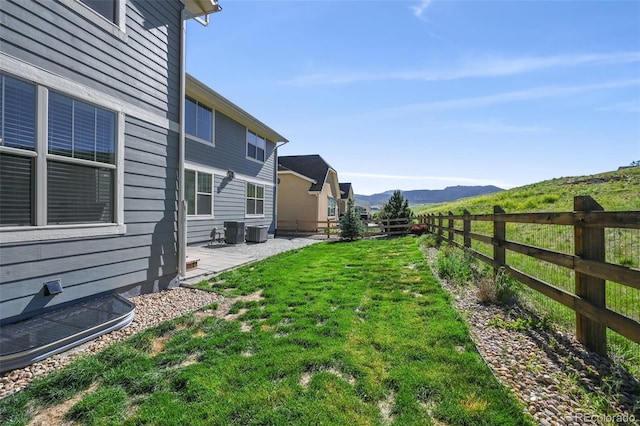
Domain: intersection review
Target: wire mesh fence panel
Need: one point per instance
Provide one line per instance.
(623, 247)
(558, 238)
(550, 273)
(624, 350)
(565, 251)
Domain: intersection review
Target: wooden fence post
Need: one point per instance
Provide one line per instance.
(590, 244)
(467, 229)
(451, 225)
(328, 228)
(440, 227)
(499, 235)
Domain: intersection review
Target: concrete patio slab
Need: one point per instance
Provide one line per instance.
(217, 258)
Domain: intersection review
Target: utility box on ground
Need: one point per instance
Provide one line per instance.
(234, 232)
(257, 234)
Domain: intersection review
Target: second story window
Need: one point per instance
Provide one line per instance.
(198, 120)
(106, 8)
(256, 146)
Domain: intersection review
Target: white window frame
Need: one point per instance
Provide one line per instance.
(195, 138)
(331, 205)
(246, 198)
(117, 29)
(195, 202)
(247, 147)
(41, 230)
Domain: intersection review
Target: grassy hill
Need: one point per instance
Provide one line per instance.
(617, 190)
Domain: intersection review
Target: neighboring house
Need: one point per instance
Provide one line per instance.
(346, 194)
(308, 193)
(231, 160)
(91, 156)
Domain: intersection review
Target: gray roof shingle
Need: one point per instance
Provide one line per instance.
(312, 166)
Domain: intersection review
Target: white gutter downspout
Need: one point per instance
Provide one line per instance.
(182, 203)
(275, 191)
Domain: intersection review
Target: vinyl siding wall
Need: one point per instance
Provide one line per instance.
(229, 196)
(141, 70)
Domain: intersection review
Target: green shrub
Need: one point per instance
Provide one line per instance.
(454, 264)
(500, 289)
(351, 227)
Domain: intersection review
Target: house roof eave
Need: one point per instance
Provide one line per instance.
(196, 8)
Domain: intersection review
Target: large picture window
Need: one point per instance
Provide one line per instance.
(255, 199)
(256, 146)
(199, 193)
(198, 120)
(66, 175)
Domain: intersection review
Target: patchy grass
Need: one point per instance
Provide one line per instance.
(344, 333)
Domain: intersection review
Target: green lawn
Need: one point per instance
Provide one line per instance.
(345, 333)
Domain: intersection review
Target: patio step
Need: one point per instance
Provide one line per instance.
(192, 264)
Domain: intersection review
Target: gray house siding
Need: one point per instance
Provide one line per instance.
(142, 71)
(229, 205)
(229, 196)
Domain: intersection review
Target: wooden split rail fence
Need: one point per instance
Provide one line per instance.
(589, 221)
(386, 227)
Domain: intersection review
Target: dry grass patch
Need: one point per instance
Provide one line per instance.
(55, 415)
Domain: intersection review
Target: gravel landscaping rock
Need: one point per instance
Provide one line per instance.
(151, 310)
(552, 374)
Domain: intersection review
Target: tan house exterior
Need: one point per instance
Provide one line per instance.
(308, 193)
(346, 194)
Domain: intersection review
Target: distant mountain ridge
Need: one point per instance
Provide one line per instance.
(429, 196)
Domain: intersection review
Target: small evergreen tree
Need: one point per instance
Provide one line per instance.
(397, 207)
(351, 227)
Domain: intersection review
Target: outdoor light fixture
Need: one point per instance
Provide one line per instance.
(230, 174)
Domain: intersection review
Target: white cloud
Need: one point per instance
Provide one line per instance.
(519, 95)
(420, 9)
(476, 67)
(498, 127)
(631, 106)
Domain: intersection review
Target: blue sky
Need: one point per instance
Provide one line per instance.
(427, 94)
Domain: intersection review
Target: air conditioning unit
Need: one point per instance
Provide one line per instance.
(257, 234)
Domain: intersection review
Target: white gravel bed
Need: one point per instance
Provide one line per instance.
(151, 309)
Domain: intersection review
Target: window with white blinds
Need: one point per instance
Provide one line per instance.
(70, 169)
(18, 133)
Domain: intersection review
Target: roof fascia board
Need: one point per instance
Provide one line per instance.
(200, 91)
(197, 8)
(291, 172)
